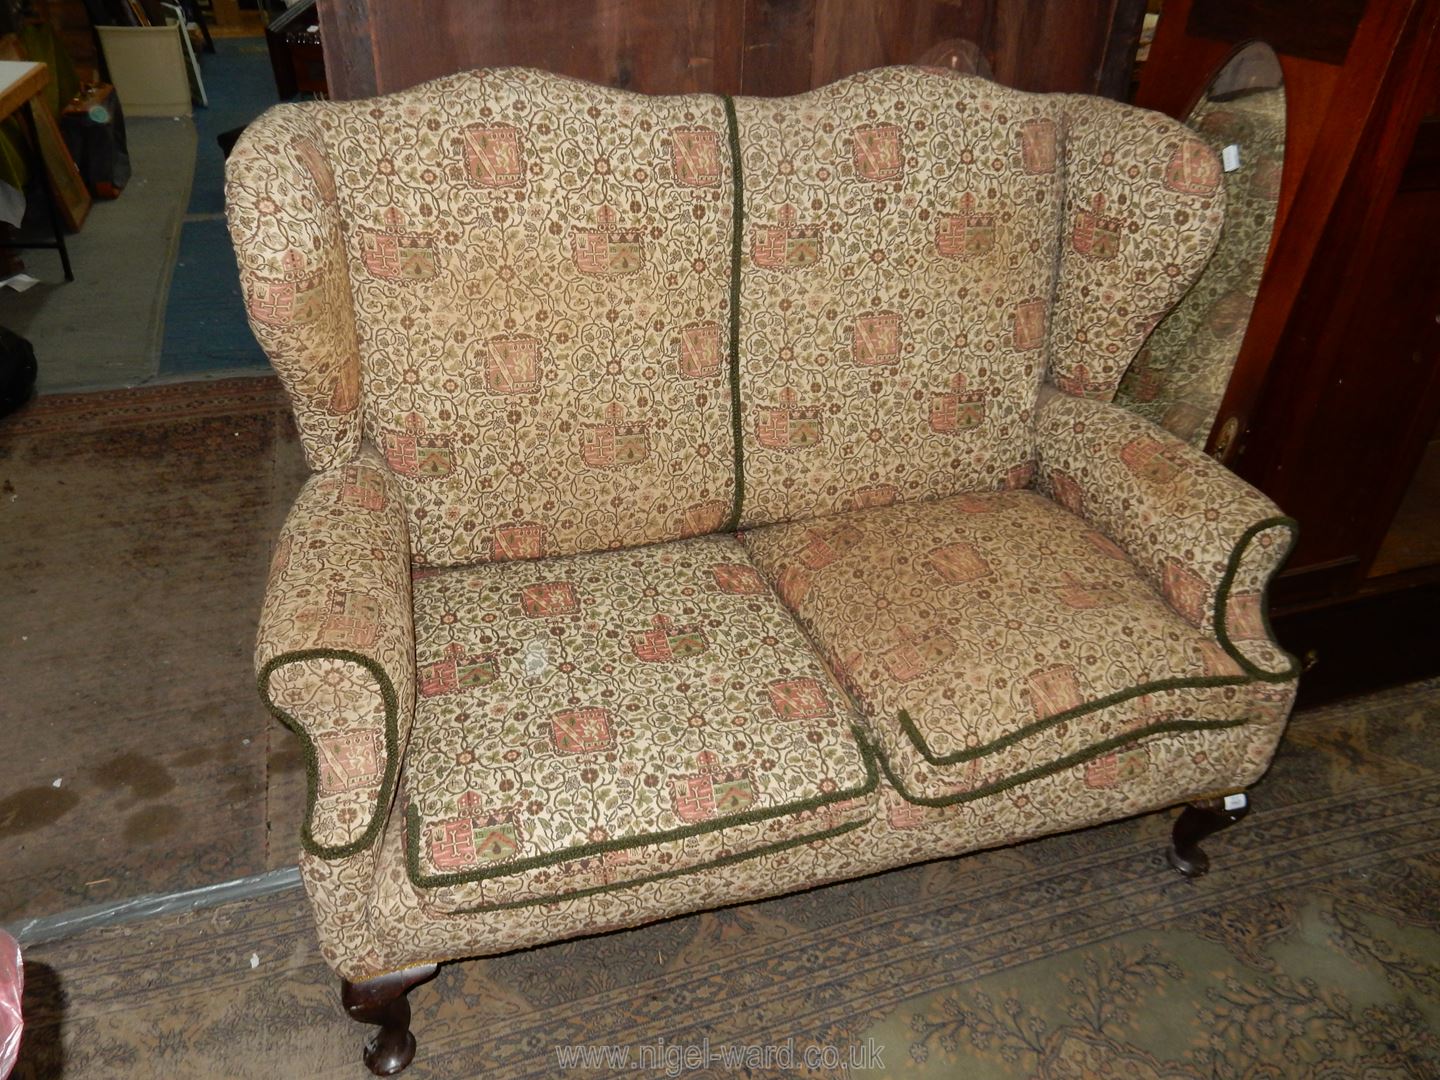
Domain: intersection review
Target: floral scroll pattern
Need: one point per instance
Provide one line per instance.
(336, 648)
(978, 632)
(574, 713)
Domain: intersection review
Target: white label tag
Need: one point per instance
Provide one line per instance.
(1230, 157)
(1236, 802)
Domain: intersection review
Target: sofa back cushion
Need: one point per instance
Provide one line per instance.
(899, 298)
(540, 271)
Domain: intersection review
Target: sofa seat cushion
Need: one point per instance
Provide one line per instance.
(991, 639)
(596, 720)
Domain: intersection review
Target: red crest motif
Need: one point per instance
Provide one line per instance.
(512, 364)
(1096, 235)
(286, 303)
(1244, 617)
(1037, 146)
(916, 656)
(700, 518)
(400, 257)
(967, 233)
(711, 792)
(363, 487)
(787, 245)
(1068, 492)
(799, 699)
(411, 452)
(492, 155)
(959, 563)
(664, 642)
(788, 425)
(318, 166)
(875, 339)
(738, 579)
(1193, 169)
(472, 838)
(518, 540)
(1030, 324)
(959, 410)
(878, 152)
(695, 156)
(349, 761)
(581, 731)
(351, 620)
(1054, 690)
(608, 250)
(825, 544)
(614, 443)
(699, 349)
(1186, 590)
(1150, 459)
(547, 599)
(1116, 768)
(458, 672)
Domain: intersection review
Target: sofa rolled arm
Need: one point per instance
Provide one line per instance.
(335, 657)
(1206, 539)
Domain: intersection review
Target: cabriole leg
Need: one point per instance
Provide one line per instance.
(1197, 821)
(382, 1001)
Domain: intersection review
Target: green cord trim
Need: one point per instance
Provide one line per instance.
(312, 759)
(1059, 764)
(1254, 673)
(737, 227)
(714, 864)
(624, 843)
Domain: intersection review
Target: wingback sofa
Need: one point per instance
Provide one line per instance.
(716, 497)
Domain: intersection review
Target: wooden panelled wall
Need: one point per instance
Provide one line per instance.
(762, 47)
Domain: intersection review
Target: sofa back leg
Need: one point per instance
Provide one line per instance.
(1200, 819)
(382, 1001)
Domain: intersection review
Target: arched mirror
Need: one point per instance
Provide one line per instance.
(1179, 377)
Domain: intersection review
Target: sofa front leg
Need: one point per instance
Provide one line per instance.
(1200, 819)
(382, 1001)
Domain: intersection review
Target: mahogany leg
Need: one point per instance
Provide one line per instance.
(1197, 821)
(382, 1001)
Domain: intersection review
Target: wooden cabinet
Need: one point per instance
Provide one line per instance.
(1336, 395)
(764, 47)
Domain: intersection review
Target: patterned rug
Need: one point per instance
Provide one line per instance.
(1311, 950)
(136, 756)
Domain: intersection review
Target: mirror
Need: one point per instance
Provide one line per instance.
(1179, 377)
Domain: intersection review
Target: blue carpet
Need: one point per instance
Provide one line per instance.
(205, 327)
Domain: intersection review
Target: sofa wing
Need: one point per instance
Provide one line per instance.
(1209, 541)
(285, 221)
(336, 652)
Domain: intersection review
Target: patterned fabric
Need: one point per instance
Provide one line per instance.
(1205, 538)
(989, 638)
(1179, 377)
(540, 276)
(1144, 205)
(336, 648)
(285, 221)
(604, 718)
(399, 929)
(897, 266)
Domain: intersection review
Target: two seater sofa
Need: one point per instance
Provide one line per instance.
(716, 497)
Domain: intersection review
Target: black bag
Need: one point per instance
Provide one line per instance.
(17, 371)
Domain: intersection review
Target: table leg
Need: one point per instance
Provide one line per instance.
(38, 166)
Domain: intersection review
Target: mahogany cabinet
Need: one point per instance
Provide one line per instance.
(1335, 400)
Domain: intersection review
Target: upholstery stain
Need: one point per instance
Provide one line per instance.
(34, 808)
(151, 823)
(146, 778)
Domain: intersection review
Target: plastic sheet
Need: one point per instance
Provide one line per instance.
(12, 984)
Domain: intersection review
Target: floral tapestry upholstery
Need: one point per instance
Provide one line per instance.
(1144, 207)
(895, 273)
(285, 221)
(372, 919)
(594, 720)
(1179, 377)
(539, 271)
(336, 648)
(1206, 539)
(990, 639)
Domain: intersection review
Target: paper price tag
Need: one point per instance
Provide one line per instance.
(1230, 157)
(1236, 802)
